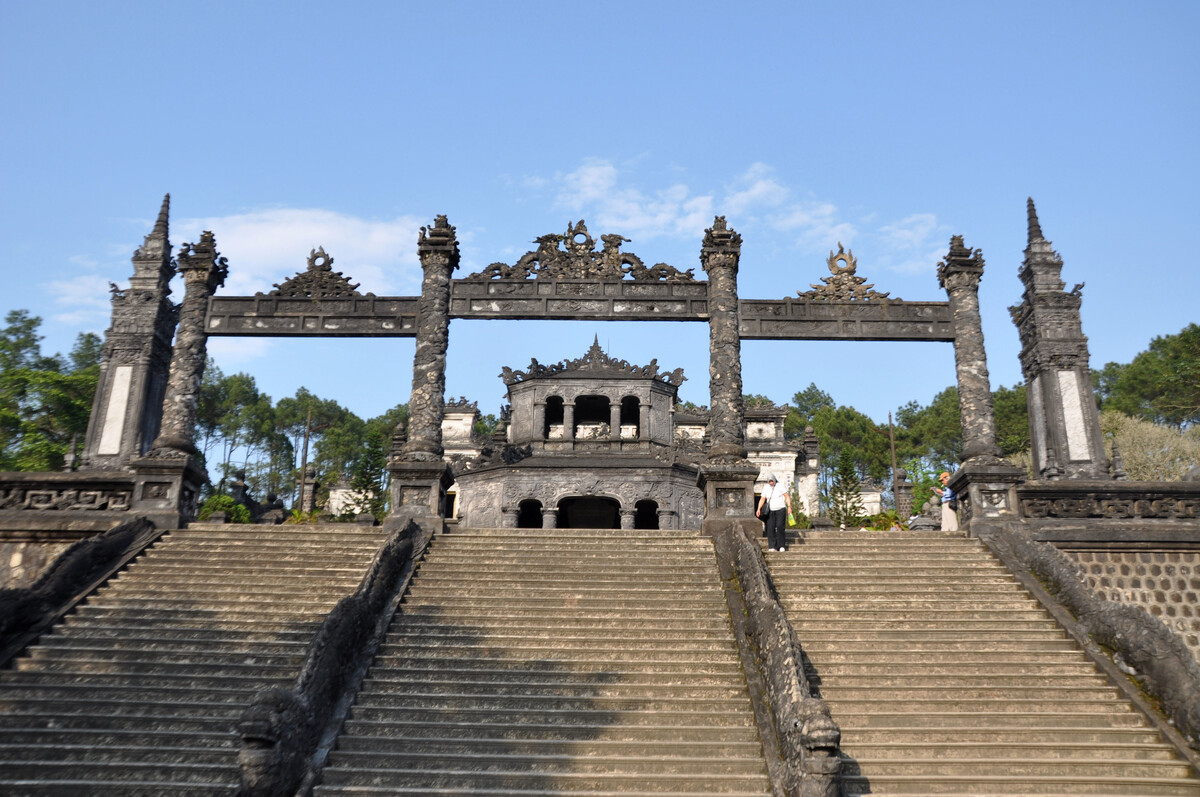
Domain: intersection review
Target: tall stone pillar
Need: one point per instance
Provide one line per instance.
(127, 409)
(419, 475)
(169, 477)
(1064, 423)
(727, 477)
(438, 250)
(203, 270)
(985, 483)
(719, 256)
(960, 274)
(644, 421)
(614, 420)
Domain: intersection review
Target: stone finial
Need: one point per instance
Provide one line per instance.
(203, 256)
(960, 260)
(720, 238)
(157, 247)
(439, 238)
(1035, 228)
(1118, 464)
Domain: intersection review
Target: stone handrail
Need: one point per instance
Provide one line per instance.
(282, 729)
(27, 612)
(1158, 658)
(807, 735)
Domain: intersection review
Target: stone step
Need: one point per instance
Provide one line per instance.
(150, 750)
(402, 662)
(517, 781)
(559, 715)
(549, 690)
(990, 786)
(867, 678)
(556, 653)
(1037, 693)
(118, 771)
(999, 750)
(513, 678)
(716, 749)
(543, 762)
(488, 730)
(89, 737)
(575, 623)
(908, 717)
(1047, 737)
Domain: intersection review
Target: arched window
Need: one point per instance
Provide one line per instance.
(631, 416)
(554, 418)
(592, 418)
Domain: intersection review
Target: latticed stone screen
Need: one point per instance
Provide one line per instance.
(1165, 583)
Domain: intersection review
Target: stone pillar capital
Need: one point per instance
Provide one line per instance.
(202, 265)
(437, 246)
(961, 268)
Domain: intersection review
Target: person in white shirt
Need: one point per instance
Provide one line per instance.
(775, 498)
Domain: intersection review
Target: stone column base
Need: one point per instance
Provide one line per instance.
(728, 497)
(987, 493)
(166, 489)
(418, 493)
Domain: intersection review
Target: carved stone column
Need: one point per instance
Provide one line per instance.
(549, 518)
(667, 519)
(727, 478)
(1064, 423)
(644, 421)
(568, 419)
(438, 250)
(719, 256)
(904, 495)
(539, 421)
(203, 270)
(627, 518)
(960, 274)
(509, 517)
(614, 421)
(127, 408)
(985, 484)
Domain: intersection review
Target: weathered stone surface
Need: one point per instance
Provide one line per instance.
(438, 250)
(137, 353)
(719, 256)
(203, 270)
(959, 274)
(1063, 419)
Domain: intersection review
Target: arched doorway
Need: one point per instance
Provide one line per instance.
(645, 515)
(529, 514)
(589, 512)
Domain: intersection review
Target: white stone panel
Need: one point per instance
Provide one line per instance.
(1078, 446)
(114, 414)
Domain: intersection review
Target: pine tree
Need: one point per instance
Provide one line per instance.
(845, 502)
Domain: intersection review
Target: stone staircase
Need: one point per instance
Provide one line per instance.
(139, 690)
(549, 661)
(948, 678)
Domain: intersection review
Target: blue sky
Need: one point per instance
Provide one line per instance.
(886, 126)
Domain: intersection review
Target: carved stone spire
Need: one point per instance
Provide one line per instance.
(1035, 229)
(1064, 423)
(137, 352)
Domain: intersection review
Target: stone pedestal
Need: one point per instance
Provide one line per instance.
(987, 493)
(728, 497)
(418, 492)
(166, 490)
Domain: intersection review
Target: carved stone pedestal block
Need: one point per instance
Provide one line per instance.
(418, 492)
(728, 497)
(166, 489)
(987, 493)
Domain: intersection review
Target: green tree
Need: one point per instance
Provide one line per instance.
(368, 478)
(44, 401)
(804, 406)
(1162, 384)
(843, 499)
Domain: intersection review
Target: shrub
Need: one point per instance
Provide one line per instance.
(236, 513)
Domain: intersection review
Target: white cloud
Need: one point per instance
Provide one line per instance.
(85, 300)
(912, 245)
(816, 223)
(266, 247)
(759, 188)
(592, 190)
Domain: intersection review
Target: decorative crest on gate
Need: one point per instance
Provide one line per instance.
(573, 255)
(844, 285)
(320, 281)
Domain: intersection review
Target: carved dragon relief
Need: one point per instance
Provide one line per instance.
(320, 281)
(844, 285)
(573, 255)
(595, 360)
